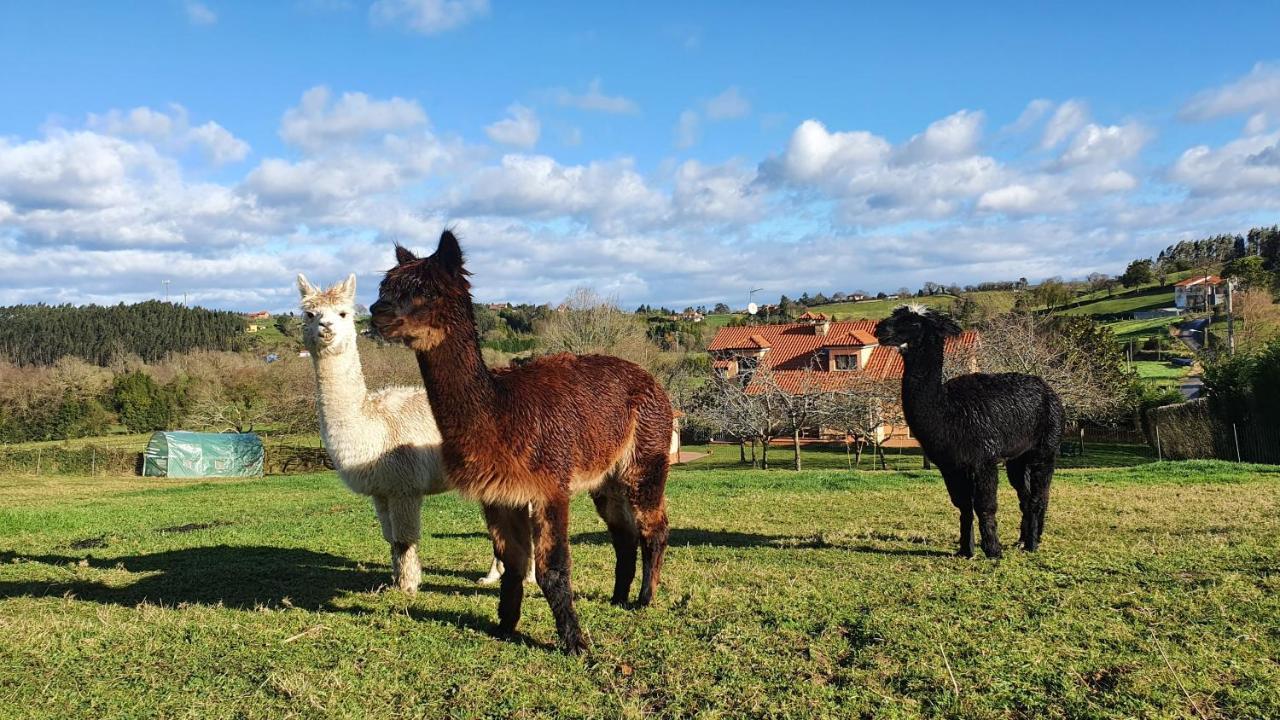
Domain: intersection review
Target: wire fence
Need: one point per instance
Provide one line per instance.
(1191, 430)
(289, 458)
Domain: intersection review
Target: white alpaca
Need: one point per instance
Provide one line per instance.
(384, 444)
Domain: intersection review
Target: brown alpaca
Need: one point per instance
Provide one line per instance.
(535, 435)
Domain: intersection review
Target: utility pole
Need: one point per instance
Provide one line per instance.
(1231, 320)
(166, 290)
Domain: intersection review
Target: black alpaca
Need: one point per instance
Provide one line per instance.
(969, 424)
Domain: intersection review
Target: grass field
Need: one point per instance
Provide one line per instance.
(1161, 373)
(1159, 297)
(819, 594)
(1136, 330)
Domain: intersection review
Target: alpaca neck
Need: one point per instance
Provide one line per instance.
(922, 393)
(458, 382)
(340, 394)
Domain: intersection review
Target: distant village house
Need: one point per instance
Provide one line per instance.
(819, 352)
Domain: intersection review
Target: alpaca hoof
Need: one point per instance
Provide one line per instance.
(994, 553)
(575, 645)
(489, 579)
(964, 553)
(618, 601)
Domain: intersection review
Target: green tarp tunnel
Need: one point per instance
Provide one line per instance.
(194, 454)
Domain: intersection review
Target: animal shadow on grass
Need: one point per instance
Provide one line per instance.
(242, 577)
(680, 537)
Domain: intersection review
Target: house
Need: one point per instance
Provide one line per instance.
(260, 315)
(1200, 292)
(817, 351)
(691, 316)
(498, 306)
(252, 328)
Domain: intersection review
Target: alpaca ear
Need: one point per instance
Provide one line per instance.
(305, 288)
(403, 255)
(348, 288)
(449, 252)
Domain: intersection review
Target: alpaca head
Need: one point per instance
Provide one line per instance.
(909, 324)
(328, 316)
(423, 300)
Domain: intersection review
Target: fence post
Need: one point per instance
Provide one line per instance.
(1236, 434)
(1159, 449)
(93, 464)
(39, 452)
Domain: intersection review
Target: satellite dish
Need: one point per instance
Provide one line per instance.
(751, 308)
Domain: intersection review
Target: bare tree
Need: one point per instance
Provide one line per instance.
(1073, 355)
(588, 323)
(866, 411)
(740, 408)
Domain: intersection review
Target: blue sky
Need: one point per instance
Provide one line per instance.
(661, 153)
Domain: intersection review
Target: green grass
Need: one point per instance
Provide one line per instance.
(1126, 330)
(865, 310)
(1161, 373)
(817, 594)
(1159, 297)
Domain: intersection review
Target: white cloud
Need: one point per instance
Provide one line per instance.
(1095, 144)
(1012, 198)
(171, 131)
(316, 123)
(199, 14)
(1259, 91)
(1032, 114)
(572, 137)
(520, 129)
(609, 194)
(728, 105)
(724, 193)
(688, 127)
(954, 136)
(1248, 165)
(595, 100)
(1069, 117)
(813, 153)
(428, 17)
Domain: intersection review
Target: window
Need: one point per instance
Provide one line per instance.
(846, 362)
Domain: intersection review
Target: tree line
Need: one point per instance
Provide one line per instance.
(42, 334)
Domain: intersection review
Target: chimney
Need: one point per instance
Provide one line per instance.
(822, 327)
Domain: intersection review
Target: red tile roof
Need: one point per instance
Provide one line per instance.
(1208, 279)
(792, 347)
(852, 338)
(810, 315)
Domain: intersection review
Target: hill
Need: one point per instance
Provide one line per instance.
(41, 334)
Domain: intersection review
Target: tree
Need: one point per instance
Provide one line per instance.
(1077, 357)
(733, 408)
(1139, 272)
(588, 323)
(866, 411)
(1250, 273)
(721, 309)
(141, 404)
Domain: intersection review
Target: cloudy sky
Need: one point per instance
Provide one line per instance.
(661, 153)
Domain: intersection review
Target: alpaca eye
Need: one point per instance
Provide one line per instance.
(342, 315)
(310, 315)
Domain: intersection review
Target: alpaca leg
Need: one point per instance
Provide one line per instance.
(509, 529)
(405, 514)
(531, 577)
(1019, 478)
(651, 520)
(551, 550)
(381, 506)
(1041, 472)
(985, 483)
(615, 510)
(960, 489)
(495, 569)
